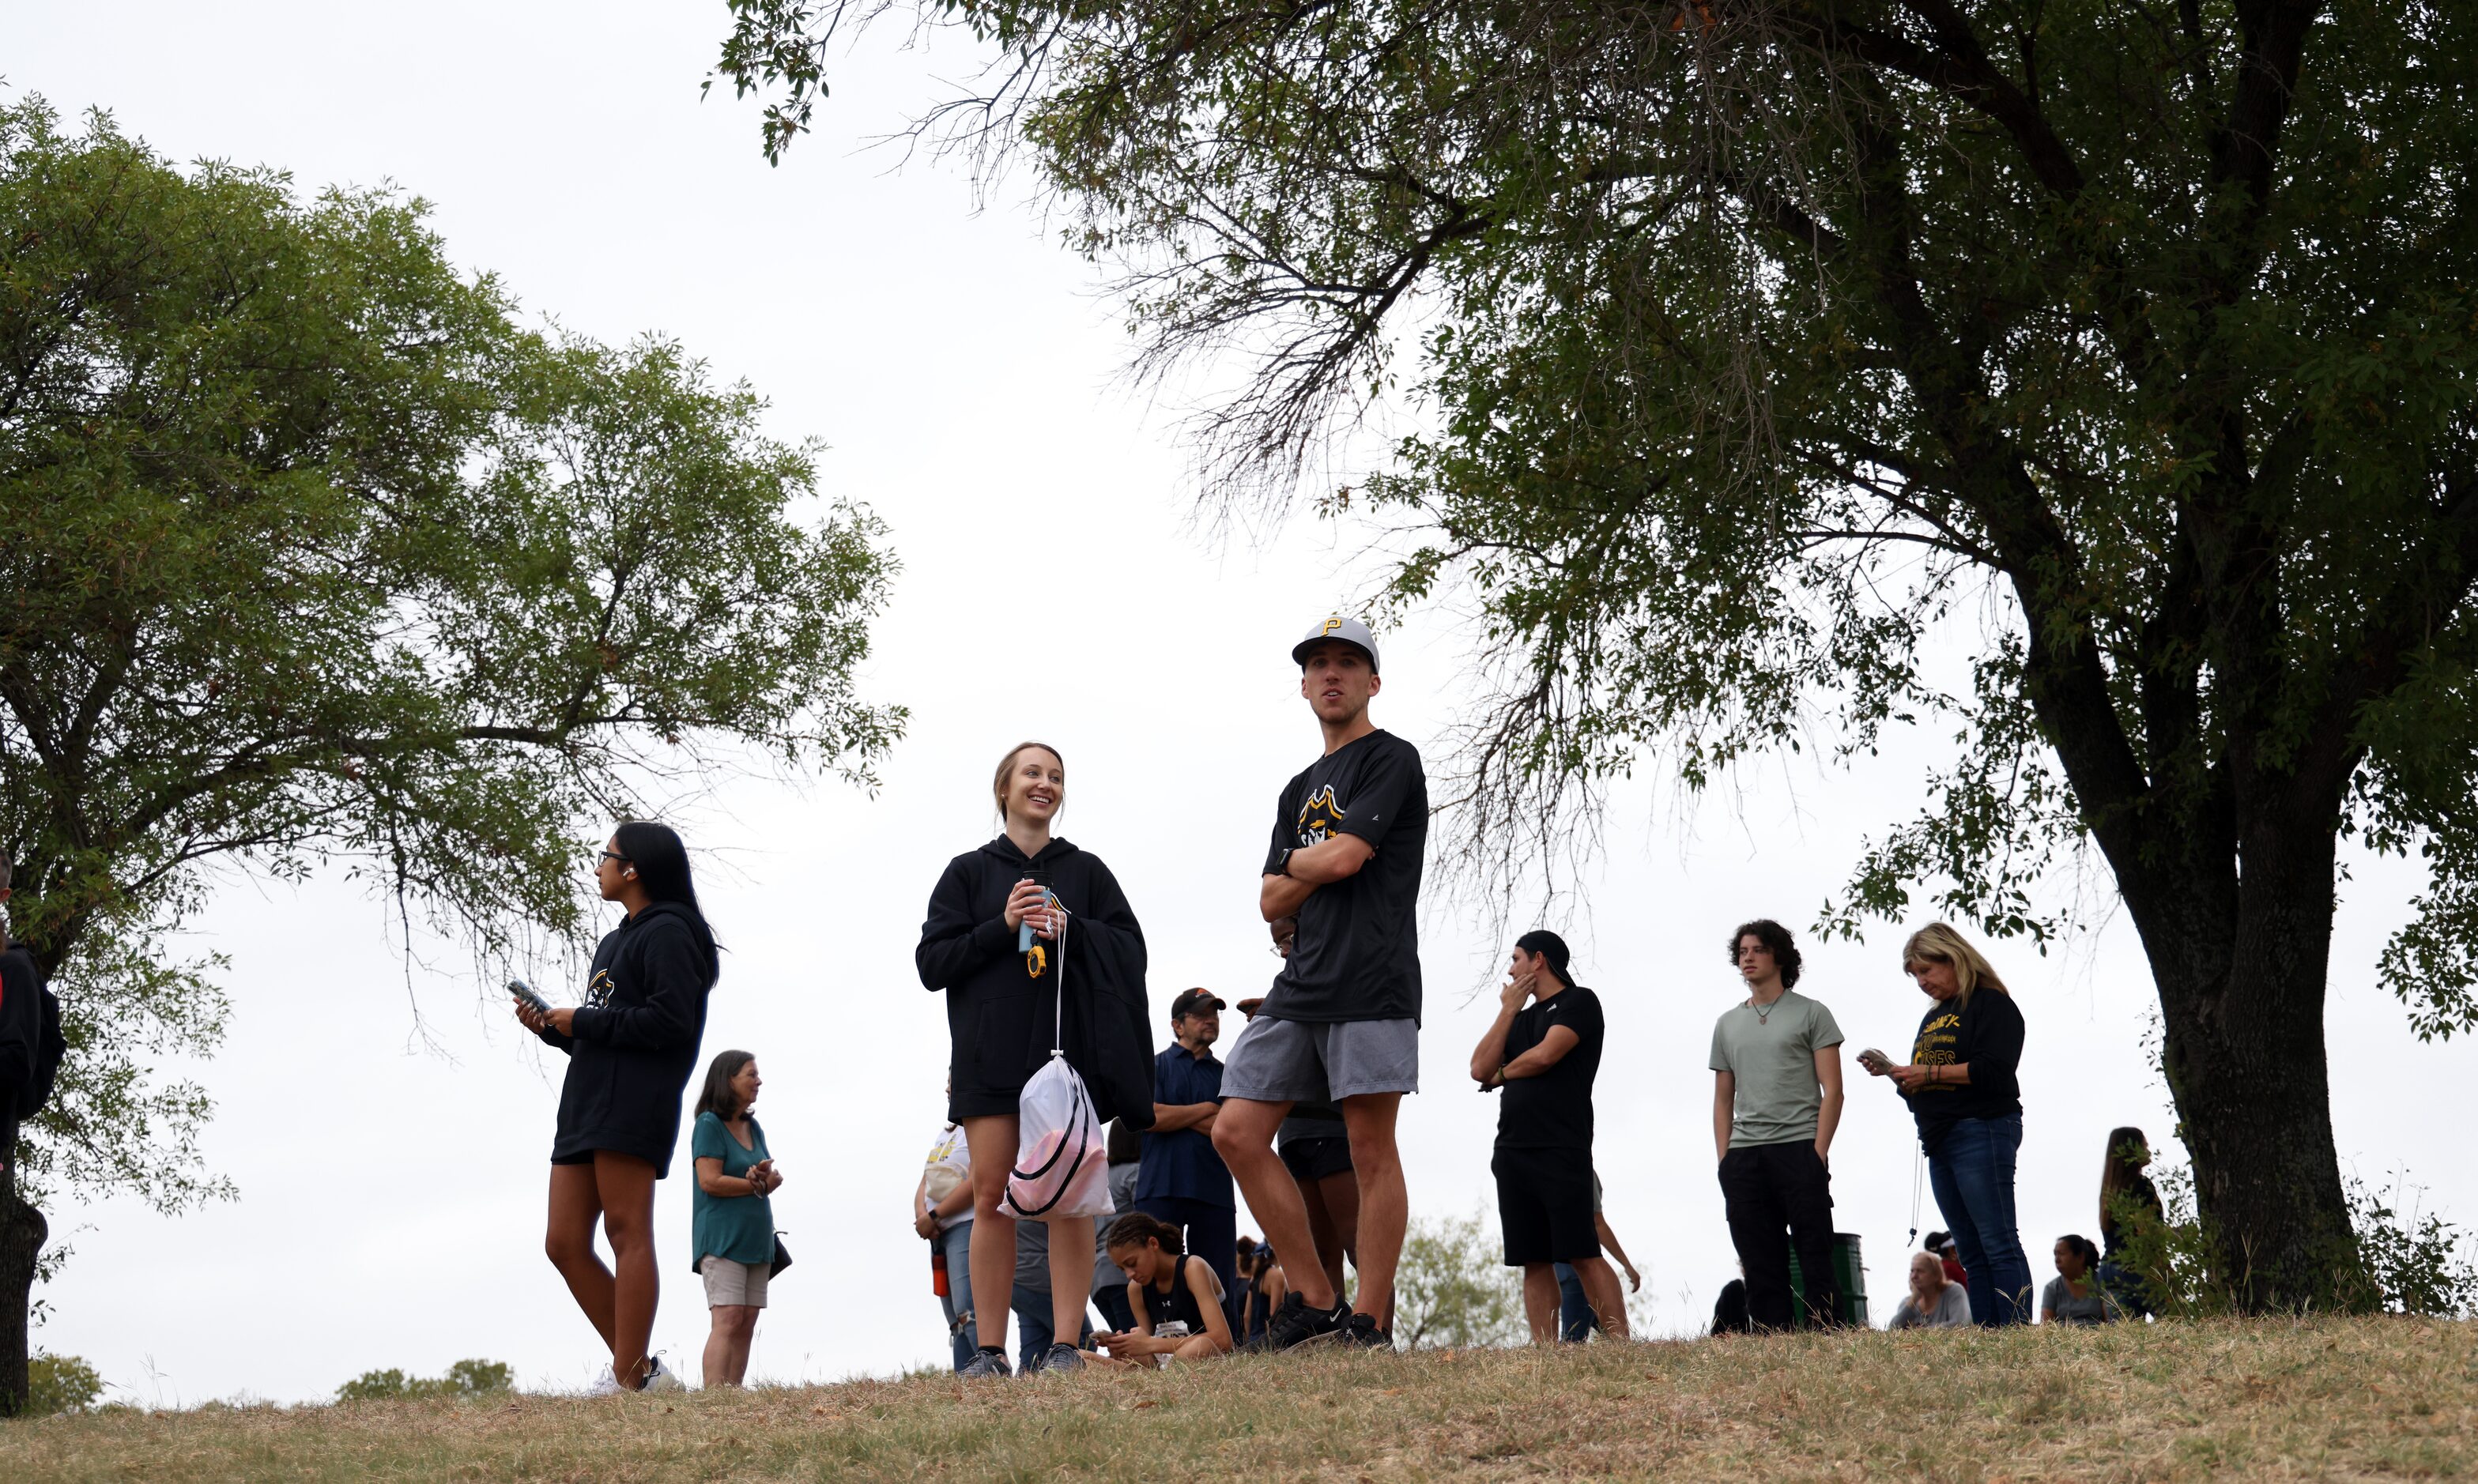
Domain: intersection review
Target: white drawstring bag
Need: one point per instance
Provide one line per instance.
(1062, 1167)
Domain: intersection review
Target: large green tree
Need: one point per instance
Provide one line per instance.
(309, 552)
(2089, 380)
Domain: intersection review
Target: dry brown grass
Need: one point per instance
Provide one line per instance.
(2323, 1399)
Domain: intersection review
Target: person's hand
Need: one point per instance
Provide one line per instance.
(531, 1019)
(767, 1179)
(1284, 929)
(1511, 995)
(925, 1224)
(1029, 900)
(563, 1019)
(1250, 1007)
(1908, 1078)
(1876, 1062)
(1634, 1279)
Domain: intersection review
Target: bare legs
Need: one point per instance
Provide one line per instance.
(1602, 1291)
(1540, 1301)
(618, 1189)
(1333, 1220)
(1243, 1135)
(1385, 1205)
(726, 1348)
(993, 1141)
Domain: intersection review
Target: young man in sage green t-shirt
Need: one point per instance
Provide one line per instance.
(1776, 1102)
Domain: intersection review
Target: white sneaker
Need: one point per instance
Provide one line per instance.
(660, 1378)
(607, 1384)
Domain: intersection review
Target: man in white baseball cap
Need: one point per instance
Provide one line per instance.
(1341, 1024)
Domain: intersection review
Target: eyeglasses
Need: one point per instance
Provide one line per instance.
(611, 855)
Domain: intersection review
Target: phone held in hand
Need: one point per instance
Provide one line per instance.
(530, 997)
(1874, 1060)
(1023, 929)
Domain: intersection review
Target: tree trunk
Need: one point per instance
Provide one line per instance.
(22, 1230)
(2242, 1005)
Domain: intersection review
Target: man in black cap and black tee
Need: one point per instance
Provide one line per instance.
(1342, 1022)
(1179, 1179)
(1544, 1055)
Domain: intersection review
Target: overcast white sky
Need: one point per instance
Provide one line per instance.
(391, 1185)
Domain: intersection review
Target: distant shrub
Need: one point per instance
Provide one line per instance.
(61, 1383)
(2416, 1263)
(464, 1378)
(1453, 1286)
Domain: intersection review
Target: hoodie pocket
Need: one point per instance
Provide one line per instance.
(1002, 1050)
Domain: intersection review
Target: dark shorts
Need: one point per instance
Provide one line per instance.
(1544, 1199)
(1311, 1160)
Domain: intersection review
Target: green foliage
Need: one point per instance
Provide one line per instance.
(464, 1378)
(60, 1383)
(2399, 1263)
(2095, 386)
(1453, 1289)
(311, 554)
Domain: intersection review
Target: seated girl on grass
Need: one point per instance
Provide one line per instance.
(1175, 1298)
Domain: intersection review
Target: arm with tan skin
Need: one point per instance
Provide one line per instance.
(711, 1179)
(1725, 1099)
(1609, 1240)
(1909, 1077)
(1170, 1118)
(1552, 1050)
(1216, 1339)
(1828, 1118)
(1310, 867)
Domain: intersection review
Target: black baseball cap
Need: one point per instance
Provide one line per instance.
(1191, 1001)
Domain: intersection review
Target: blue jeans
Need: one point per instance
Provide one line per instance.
(956, 1241)
(1576, 1319)
(1972, 1172)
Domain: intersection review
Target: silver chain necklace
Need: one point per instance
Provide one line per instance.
(1764, 1013)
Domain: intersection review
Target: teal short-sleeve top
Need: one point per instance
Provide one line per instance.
(738, 1227)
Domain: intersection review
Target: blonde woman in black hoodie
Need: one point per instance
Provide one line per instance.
(632, 1046)
(1000, 1004)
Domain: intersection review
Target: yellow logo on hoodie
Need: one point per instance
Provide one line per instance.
(1320, 818)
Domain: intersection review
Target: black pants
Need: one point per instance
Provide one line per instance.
(1779, 1196)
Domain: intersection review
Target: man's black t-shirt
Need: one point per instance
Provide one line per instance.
(1987, 1035)
(1553, 1110)
(1357, 953)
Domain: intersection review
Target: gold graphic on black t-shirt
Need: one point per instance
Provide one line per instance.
(1935, 1046)
(598, 990)
(1320, 818)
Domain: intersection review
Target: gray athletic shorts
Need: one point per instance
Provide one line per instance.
(1316, 1061)
(727, 1282)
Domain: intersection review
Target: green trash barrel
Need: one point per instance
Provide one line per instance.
(1849, 1275)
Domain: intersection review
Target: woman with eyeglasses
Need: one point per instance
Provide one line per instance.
(632, 1047)
(1004, 1015)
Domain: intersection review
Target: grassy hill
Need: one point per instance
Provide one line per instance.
(2321, 1400)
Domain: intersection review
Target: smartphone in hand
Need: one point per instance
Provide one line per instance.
(1875, 1061)
(529, 995)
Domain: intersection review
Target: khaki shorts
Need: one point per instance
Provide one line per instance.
(727, 1282)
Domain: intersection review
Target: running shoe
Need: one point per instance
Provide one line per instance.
(1298, 1324)
(986, 1363)
(1061, 1359)
(607, 1384)
(1362, 1333)
(660, 1378)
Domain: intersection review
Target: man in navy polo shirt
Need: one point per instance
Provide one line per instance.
(1180, 1179)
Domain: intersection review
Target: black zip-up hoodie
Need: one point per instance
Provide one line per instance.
(1000, 1016)
(636, 1041)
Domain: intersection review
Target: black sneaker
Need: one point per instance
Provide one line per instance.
(986, 1364)
(1297, 1324)
(1362, 1333)
(1060, 1359)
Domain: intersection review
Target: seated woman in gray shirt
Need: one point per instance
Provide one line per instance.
(2075, 1296)
(1935, 1301)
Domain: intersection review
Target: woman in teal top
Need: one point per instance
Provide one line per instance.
(733, 1227)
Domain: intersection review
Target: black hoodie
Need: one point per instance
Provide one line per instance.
(1000, 1015)
(636, 1041)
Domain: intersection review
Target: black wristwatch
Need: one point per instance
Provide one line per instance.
(1282, 867)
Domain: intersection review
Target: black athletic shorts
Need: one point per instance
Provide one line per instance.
(1544, 1197)
(1311, 1160)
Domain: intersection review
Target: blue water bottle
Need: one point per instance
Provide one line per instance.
(1023, 929)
